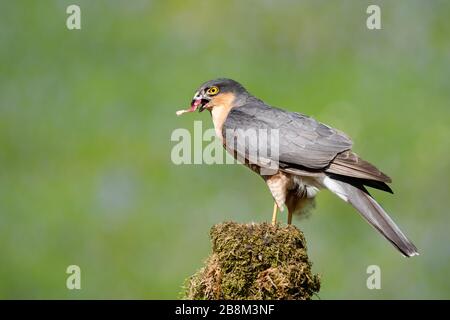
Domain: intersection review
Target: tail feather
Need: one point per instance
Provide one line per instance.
(373, 213)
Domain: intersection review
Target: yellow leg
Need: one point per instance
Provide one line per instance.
(289, 217)
(274, 214)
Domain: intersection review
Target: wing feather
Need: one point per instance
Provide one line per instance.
(303, 141)
(350, 164)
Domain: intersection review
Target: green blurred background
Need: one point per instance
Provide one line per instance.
(86, 118)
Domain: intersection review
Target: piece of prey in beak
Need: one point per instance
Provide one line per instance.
(199, 100)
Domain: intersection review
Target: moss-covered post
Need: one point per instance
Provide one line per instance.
(255, 261)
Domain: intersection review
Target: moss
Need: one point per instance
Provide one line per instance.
(254, 261)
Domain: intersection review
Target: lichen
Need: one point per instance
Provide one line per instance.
(254, 261)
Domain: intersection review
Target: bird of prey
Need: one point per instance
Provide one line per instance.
(310, 156)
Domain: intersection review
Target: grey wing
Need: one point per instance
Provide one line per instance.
(302, 141)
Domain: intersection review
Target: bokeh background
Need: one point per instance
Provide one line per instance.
(86, 118)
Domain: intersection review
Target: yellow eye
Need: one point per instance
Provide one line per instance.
(213, 91)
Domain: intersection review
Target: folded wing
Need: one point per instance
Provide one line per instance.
(303, 141)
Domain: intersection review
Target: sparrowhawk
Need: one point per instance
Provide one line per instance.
(309, 156)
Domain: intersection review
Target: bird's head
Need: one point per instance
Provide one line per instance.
(216, 92)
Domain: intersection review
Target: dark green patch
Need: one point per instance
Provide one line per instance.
(255, 261)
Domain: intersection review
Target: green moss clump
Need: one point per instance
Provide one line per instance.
(255, 261)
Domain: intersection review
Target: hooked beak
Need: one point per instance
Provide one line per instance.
(199, 102)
